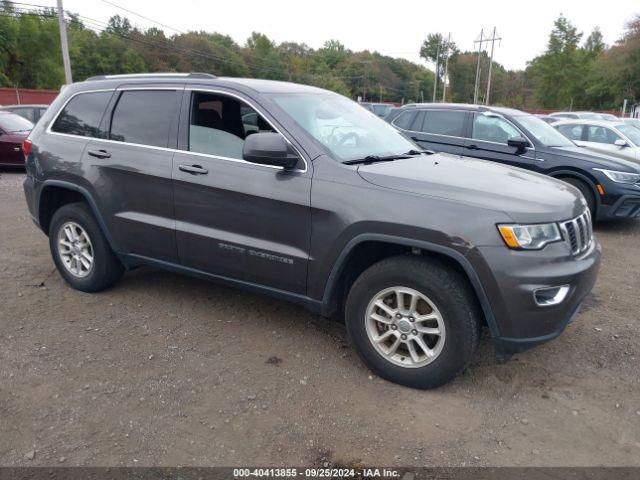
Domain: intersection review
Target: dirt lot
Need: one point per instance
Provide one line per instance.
(167, 370)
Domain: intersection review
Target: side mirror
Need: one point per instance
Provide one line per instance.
(620, 143)
(520, 143)
(268, 148)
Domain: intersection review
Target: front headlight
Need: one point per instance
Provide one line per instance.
(620, 177)
(529, 237)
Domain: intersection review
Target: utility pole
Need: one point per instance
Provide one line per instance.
(477, 86)
(63, 44)
(380, 85)
(435, 83)
(493, 40)
(446, 69)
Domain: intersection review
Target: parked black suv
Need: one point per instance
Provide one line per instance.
(302, 194)
(610, 185)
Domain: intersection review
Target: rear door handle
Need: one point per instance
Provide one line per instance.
(99, 153)
(193, 169)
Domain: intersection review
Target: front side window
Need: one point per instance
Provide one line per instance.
(82, 115)
(493, 129)
(341, 126)
(443, 122)
(144, 117)
(220, 124)
(574, 132)
(599, 134)
(542, 131)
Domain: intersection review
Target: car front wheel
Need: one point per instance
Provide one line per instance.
(413, 321)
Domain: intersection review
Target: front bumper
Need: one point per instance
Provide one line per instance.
(513, 276)
(627, 206)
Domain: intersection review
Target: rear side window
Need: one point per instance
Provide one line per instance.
(574, 132)
(82, 115)
(404, 120)
(443, 122)
(144, 117)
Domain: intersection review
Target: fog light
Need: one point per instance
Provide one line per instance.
(548, 296)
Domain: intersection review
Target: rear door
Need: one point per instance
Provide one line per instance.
(131, 170)
(237, 219)
(488, 141)
(440, 130)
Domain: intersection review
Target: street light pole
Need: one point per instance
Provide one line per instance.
(64, 44)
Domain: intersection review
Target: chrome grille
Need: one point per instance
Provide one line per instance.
(578, 232)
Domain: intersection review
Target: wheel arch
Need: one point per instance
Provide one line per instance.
(590, 181)
(56, 193)
(345, 271)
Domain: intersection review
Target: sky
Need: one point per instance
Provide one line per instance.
(395, 28)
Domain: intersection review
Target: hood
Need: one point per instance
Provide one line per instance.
(608, 160)
(524, 196)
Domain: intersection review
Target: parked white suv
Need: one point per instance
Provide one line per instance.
(619, 138)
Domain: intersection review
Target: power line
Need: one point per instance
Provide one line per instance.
(142, 16)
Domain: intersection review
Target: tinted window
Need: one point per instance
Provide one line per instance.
(598, 134)
(219, 125)
(443, 122)
(574, 132)
(404, 120)
(493, 129)
(144, 117)
(82, 115)
(27, 113)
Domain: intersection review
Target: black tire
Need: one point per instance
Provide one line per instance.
(587, 193)
(452, 296)
(106, 269)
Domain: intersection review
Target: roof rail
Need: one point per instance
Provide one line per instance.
(152, 75)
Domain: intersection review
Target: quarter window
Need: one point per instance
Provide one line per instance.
(220, 124)
(574, 132)
(443, 122)
(144, 117)
(493, 129)
(82, 115)
(598, 134)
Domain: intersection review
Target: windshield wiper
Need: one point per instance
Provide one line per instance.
(418, 152)
(375, 158)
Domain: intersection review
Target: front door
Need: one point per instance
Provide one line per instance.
(237, 219)
(488, 141)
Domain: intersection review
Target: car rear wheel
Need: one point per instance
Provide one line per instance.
(413, 321)
(80, 250)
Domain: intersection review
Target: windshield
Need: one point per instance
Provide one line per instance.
(10, 122)
(544, 133)
(632, 133)
(346, 129)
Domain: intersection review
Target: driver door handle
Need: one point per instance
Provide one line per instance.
(99, 153)
(193, 169)
(472, 147)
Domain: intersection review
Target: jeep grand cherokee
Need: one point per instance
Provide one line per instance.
(304, 195)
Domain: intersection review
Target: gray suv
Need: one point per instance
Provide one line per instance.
(302, 194)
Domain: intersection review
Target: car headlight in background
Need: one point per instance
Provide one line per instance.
(620, 177)
(529, 237)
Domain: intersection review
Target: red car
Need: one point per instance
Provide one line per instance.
(13, 130)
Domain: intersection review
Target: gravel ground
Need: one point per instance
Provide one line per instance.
(167, 370)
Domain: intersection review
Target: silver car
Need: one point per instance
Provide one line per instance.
(584, 116)
(618, 138)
